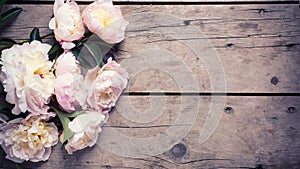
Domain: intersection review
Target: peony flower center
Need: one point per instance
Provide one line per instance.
(105, 96)
(31, 136)
(103, 17)
(43, 70)
(42, 76)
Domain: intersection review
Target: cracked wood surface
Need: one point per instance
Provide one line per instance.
(263, 132)
(257, 46)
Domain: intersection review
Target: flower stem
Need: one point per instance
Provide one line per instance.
(19, 166)
(45, 36)
(42, 37)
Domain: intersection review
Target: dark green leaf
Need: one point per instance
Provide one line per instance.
(6, 43)
(53, 49)
(63, 145)
(94, 51)
(19, 166)
(65, 122)
(2, 2)
(35, 35)
(80, 56)
(2, 154)
(75, 51)
(10, 14)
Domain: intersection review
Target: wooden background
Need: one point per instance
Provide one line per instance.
(258, 46)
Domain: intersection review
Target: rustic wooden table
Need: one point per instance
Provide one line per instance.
(213, 84)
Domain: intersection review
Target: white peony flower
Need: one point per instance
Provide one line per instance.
(28, 140)
(68, 82)
(67, 23)
(105, 85)
(86, 128)
(106, 20)
(28, 80)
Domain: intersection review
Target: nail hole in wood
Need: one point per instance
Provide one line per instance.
(179, 150)
(292, 110)
(274, 80)
(187, 22)
(262, 11)
(259, 166)
(107, 166)
(228, 110)
(229, 45)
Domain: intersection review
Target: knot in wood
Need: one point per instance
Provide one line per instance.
(274, 80)
(228, 110)
(292, 110)
(179, 150)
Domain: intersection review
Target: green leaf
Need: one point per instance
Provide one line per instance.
(53, 49)
(65, 122)
(80, 57)
(10, 14)
(6, 43)
(19, 166)
(35, 35)
(94, 51)
(2, 2)
(2, 153)
(75, 114)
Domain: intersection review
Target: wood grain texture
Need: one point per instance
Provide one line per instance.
(264, 132)
(255, 45)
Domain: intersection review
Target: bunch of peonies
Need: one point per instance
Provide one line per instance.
(37, 86)
(100, 17)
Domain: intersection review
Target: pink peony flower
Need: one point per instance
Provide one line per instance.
(105, 20)
(28, 140)
(68, 82)
(86, 128)
(105, 85)
(68, 90)
(66, 63)
(28, 79)
(67, 23)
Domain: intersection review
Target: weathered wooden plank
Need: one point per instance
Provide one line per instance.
(254, 47)
(264, 132)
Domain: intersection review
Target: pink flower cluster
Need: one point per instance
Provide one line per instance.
(97, 93)
(34, 84)
(101, 17)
